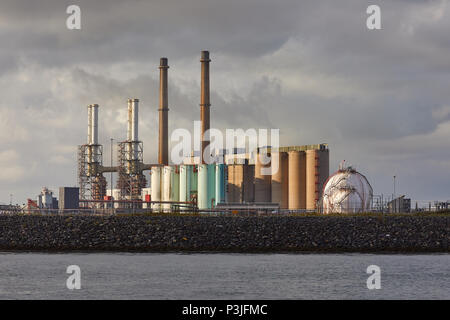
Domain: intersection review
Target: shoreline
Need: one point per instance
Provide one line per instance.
(225, 234)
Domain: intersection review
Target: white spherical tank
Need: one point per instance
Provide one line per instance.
(347, 191)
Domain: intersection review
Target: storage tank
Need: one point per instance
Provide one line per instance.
(297, 180)
(202, 192)
(317, 172)
(347, 191)
(211, 186)
(235, 178)
(220, 183)
(170, 186)
(156, 188)
(185, 183)
(262, 182)
(176, 184)
(279, 183)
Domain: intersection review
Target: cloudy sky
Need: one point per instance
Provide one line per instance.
(379, 98)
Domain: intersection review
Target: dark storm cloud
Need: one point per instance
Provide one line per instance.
(310, 68)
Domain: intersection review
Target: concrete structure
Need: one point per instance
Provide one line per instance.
(204, 101)
(297, 180)
(69, 198)
(279, 183)
(400, 205)
(163, 146)
(317, 172)
(240, 183)
(262, 181)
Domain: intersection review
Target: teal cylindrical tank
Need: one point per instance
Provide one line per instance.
(184, 174)
(211, 185)
(202, 191)
(220, 183)
(193, 172)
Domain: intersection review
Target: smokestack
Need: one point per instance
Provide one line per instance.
(135, 121)
(163, 152)
(133, 125)
(94, 124)
(204, 102)
(89, 133)
(130, 121)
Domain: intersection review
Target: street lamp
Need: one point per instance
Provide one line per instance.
(394, 186)
(112, 203)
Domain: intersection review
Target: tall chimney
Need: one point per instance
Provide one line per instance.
(204, 102)
(130, 121)
(89, 133)
(94, 124)
(133, 125)
(163, 151)
(135, 119)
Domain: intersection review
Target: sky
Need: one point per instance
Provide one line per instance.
(379, 98)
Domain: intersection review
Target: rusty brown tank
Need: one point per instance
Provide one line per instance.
(262, 182)
(317, 172)
(279, 183)
(240, 186)
(297, 180)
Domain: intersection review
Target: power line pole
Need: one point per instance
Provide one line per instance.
(112, 203)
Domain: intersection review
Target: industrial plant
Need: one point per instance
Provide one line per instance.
(234, 183)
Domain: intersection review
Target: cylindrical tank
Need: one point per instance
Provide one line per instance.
(176, 184)
(167, 186)
(156, 188)
(202, 192)
(220, 183)
(184, 183)
(194, 179)
(262, 182)
(211, 185)
(280, 187)
(297, 180)
(317, 171)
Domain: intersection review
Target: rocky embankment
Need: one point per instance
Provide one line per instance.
(225, 234)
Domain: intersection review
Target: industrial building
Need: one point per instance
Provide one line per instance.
(239, 179)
